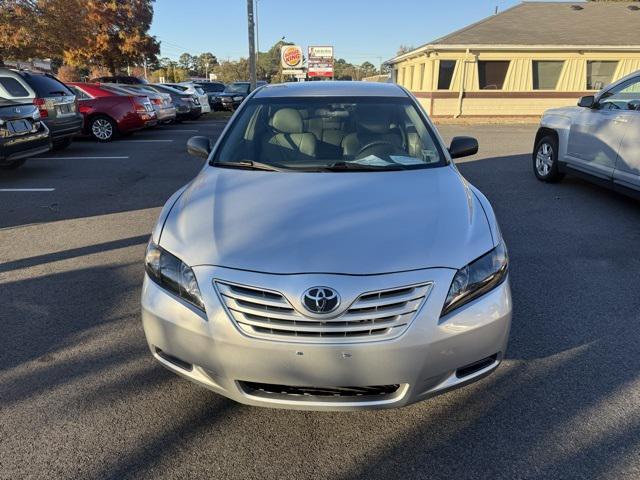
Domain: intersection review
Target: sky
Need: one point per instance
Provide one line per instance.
(359, 30)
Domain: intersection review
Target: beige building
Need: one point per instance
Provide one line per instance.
(524, 60)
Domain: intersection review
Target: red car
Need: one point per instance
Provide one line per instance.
(107, 113)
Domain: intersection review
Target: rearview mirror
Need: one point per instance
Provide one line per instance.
(463, 147)
(199, 146)
(587, 101)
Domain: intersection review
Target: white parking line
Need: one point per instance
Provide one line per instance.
(27, 189)
(81, 158)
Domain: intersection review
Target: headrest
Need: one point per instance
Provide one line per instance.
(373, 119)
(287, 120)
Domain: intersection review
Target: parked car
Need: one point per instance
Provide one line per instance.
(235, 93)
(212, 89)
(599, 139)
(161, 101)
(108, 114)
(56, 103)
(192, 89)
(125, 79)
(337, 263)
(187, 106)
(22, 133)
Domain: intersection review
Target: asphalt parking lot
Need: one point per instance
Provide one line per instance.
(81, 397)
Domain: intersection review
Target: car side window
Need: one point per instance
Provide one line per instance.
(625, 96)
(12, 87)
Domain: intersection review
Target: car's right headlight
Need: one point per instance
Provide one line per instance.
(173, 274)
(477, 278)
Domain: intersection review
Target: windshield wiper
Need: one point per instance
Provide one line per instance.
(249, 165)
(351, 166)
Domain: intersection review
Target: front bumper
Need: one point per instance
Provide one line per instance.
(426, 360)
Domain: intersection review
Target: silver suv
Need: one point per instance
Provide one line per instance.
(56, 103)
(328, 256)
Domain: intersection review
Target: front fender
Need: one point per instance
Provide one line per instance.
(561, 125)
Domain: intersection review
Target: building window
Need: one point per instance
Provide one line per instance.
(546, 74)
(445, 74)
(409, 84)
(491, 74)
(421, 79)
(600, 74)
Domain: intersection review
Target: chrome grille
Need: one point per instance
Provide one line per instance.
(377, 315)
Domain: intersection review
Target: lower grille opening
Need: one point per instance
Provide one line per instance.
(342, 392)
(174, 360)
(476, 366)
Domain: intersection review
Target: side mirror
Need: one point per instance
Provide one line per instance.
(463, 147)
(199, 146)
(587, 101)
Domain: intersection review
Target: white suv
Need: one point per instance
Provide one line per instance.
(598, 139)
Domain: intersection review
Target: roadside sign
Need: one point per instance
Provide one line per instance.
(293, 71)
(291, 57)
(320, 61)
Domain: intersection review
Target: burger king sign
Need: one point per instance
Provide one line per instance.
(291, 56)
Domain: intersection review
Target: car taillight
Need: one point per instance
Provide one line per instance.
(157, 101)
(138, 107)
(40, 103)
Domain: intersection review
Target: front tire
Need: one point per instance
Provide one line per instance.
(103, 129)
(545, 160)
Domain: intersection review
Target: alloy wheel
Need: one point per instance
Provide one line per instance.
(544, 159)
(102, 129)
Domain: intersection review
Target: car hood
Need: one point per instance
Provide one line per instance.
(563, 111)
(350, 223)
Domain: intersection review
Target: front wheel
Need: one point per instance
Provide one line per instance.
(545, 160)
(103, 129)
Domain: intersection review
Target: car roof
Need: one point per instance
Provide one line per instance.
(331, 89)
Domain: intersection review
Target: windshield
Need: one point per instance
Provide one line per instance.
(211, 87)
(331, 134)
(237, 88)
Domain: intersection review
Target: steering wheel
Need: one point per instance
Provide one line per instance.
(378, 148)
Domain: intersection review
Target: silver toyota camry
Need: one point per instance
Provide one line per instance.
(329, 256)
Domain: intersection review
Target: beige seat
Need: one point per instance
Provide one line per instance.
(289, 142)
(372, 125)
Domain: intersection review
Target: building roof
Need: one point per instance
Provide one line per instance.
(603, 24)
(331, 89)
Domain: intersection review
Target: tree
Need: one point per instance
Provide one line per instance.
(187, 61)
(116, 34)
(67, 73)
(402, 49)
(232, 71)
(204, 63)
(368, 69)
(85, 33)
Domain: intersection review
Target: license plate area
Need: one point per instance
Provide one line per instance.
(64, 109)
(18, 127)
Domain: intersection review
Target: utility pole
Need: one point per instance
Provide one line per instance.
(252, 45)
(257, 29)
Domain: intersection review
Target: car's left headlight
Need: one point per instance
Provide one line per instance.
(237, 99)
(173, 274)
(477, 278)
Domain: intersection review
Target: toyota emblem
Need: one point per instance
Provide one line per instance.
(321, 299)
